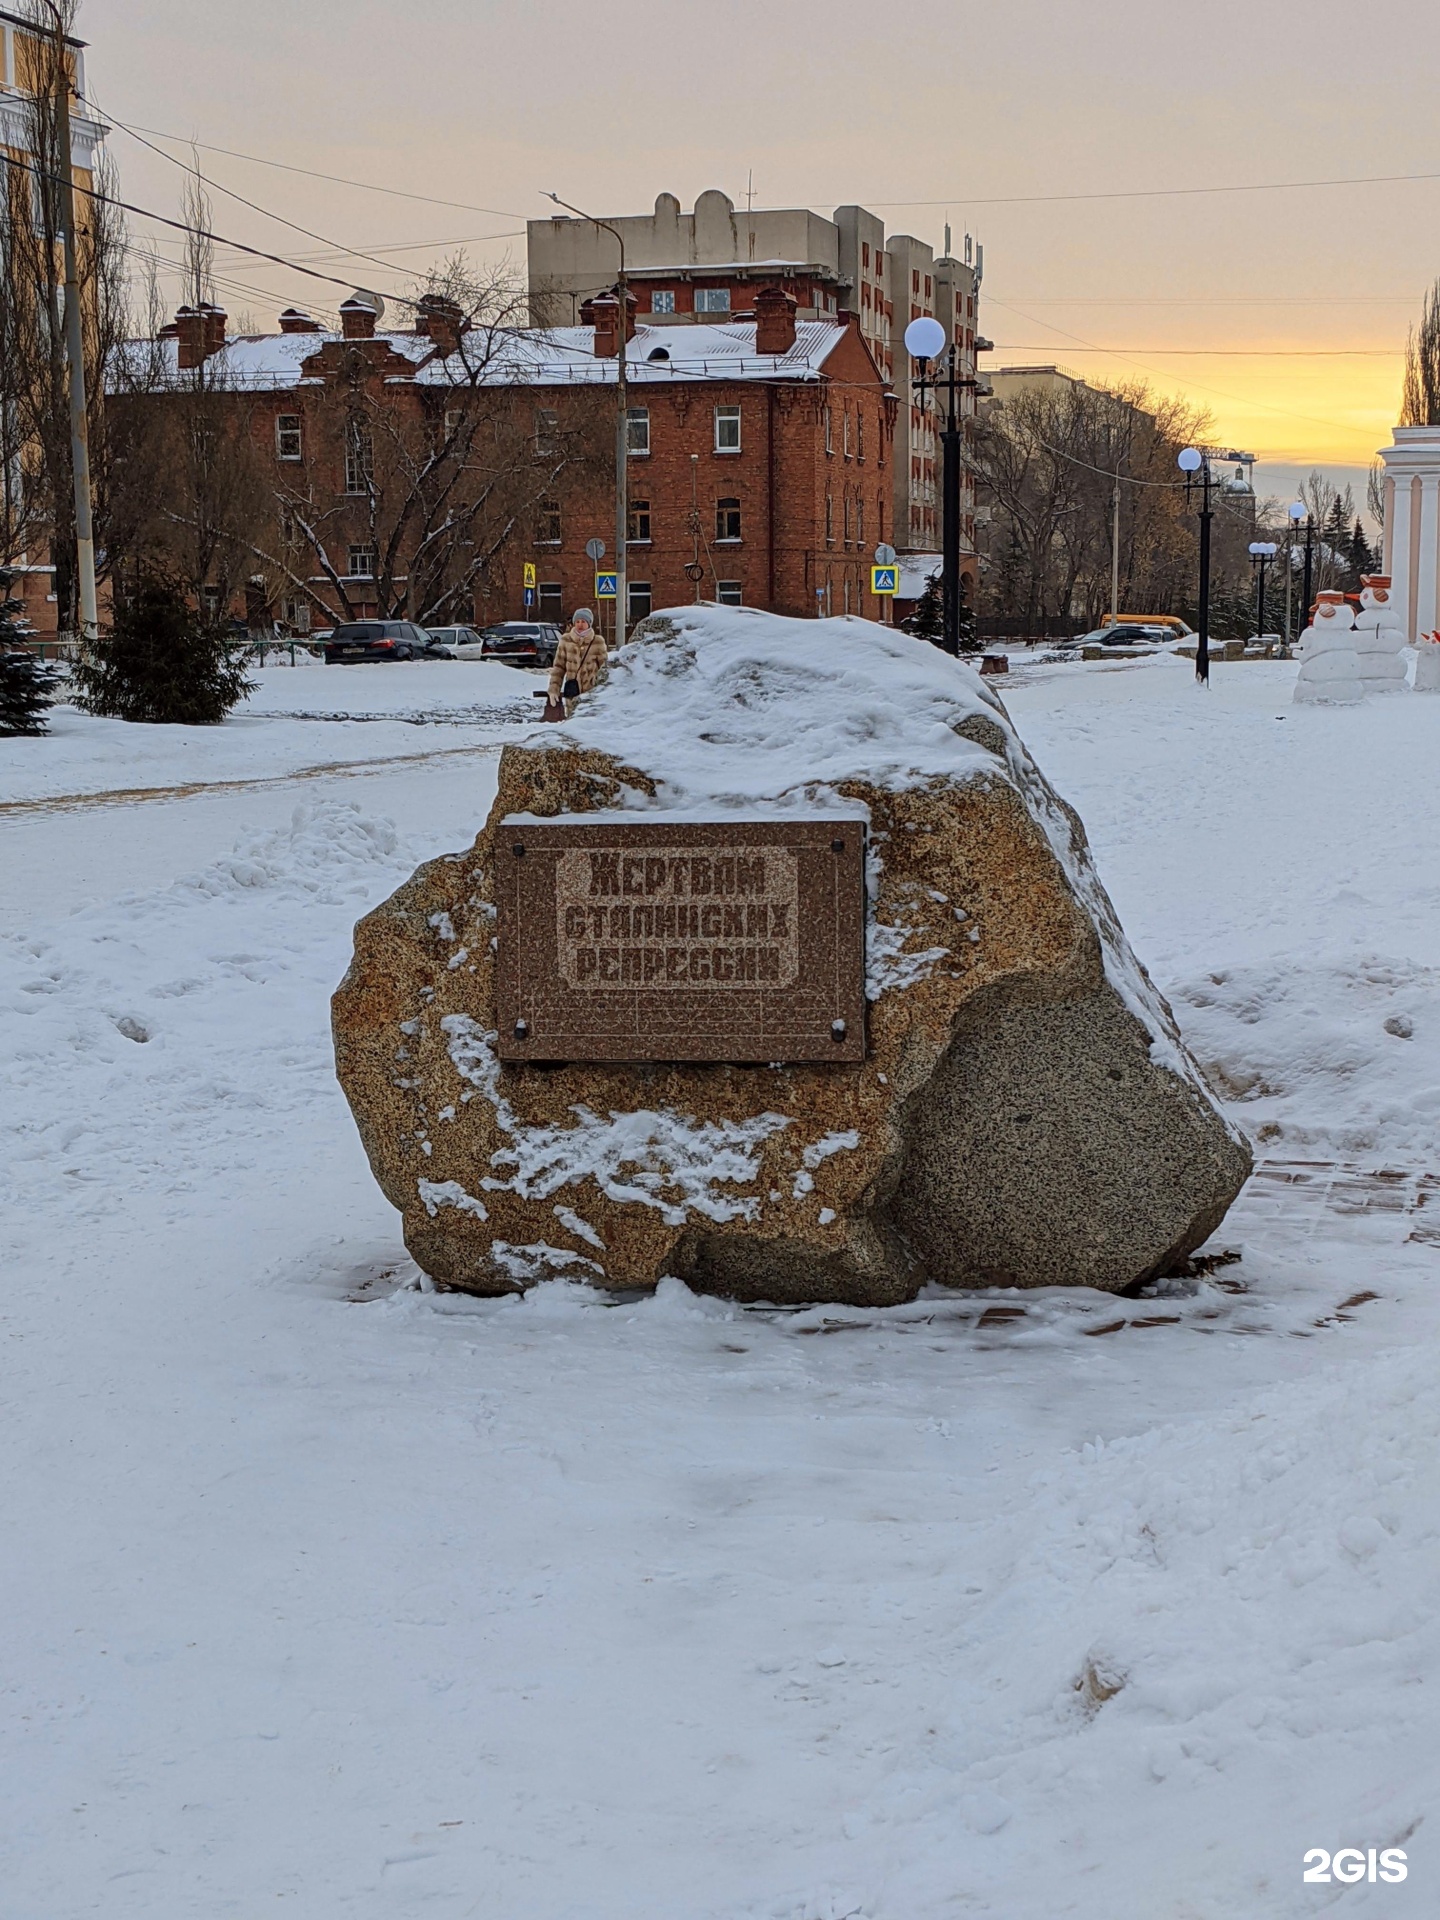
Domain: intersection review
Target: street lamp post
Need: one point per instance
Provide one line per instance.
(1309, 562)
(1296, 513)
(924, 339)
(622, 425)
(1196, 468)
(1262, 552)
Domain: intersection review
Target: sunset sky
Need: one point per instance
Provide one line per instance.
(1068, 139)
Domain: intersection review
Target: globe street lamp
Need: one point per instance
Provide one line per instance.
(925, 338)
(1196, 468)
(1262, 552)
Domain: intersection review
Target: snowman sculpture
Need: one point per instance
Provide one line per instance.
(1329, 664)
(1379, 636)
(1427, 663)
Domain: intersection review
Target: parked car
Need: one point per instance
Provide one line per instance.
(382, 640)
(1130, 635)
(522, 643)
(464, 643)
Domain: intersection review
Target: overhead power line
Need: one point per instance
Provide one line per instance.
(335, 179)
(1158, 193)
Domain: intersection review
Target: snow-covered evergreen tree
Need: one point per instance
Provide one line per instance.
(162, 660)
(27, 685)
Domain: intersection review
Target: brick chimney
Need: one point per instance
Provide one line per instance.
(443, 320)
(774, 320)
(292, 320)
(604, 313)
(213, 328)
(190, 338)
(357, 318)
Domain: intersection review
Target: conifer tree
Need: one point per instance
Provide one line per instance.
(27, 686)
(162, 661)
(928, 620)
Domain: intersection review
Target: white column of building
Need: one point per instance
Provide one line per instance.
(1397, 562)
(1424, 610)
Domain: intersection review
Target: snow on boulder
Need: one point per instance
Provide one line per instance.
(1026, 1113)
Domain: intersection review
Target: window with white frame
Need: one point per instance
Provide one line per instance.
(296, 615)
(662, 301)
(727, 520)
(359, 457)
(639, 534)
(211, 601)
(859, 434)
(845, 516)
(639, 600)
(547, 523)
(712, 300)
(551, 592)
(637, 432)
(860, 521)
(830, 517)
(845, 433)
(289, 444)
(547, 430)
(829, 432)
(360, 563)
(730, 593)
(727, 429)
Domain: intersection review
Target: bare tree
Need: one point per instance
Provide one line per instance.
(1420, 395)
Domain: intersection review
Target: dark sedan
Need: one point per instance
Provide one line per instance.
(521, 643)
(382, 640)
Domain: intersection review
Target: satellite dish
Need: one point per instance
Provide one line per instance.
(924, 338)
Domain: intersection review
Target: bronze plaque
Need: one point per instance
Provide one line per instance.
(629, 939)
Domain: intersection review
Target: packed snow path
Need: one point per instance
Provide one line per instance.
(324, 1589)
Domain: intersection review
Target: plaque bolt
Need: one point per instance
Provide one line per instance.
(518, 850)
(837, 846)
(837, 1029)
(522, 1029)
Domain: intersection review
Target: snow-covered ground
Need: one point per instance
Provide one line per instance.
(322, 1589)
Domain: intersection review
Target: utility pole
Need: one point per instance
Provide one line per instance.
(75, 355)
(622, 423)
(1115, 552)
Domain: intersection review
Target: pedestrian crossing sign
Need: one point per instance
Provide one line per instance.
(605, 586)
(884, 580)
(530, 576)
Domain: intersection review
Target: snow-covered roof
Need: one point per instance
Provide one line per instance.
(917, 570)
(528, 356)
(565, 356)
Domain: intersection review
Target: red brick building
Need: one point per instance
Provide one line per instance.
(760, 453)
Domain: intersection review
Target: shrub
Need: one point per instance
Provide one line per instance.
(162, 661)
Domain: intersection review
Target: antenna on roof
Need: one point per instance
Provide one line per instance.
(750, 206)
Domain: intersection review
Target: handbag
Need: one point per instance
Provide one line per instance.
(571, 689)
(554, 710)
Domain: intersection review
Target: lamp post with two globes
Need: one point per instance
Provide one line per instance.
(925, 338)
(1298, 512)
(1196, 468)
(1262, 552)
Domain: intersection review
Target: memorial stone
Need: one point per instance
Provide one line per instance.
(780, 969)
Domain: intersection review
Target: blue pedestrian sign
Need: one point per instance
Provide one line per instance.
(605, 586)
(884, 580)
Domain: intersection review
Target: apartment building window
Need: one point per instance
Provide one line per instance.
(927, 286)
(662, 301)
(359, 457)
(727, 519)
(296, 615)
(712, 300)
(551, 602)
(547, 523)
(211, 601)
(639, 600)
(830, 519)
(288, 443)
(727, 429)
(547, 430)
(829, 433)
(859, 434)
(865, 255)
(639, 523)
(360, 564)
(730, 593)
(845, 433)
(845, 518)
(860, 521)
(637, 432)
(915, 280)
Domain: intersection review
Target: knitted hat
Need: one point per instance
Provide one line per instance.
(582, 613)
